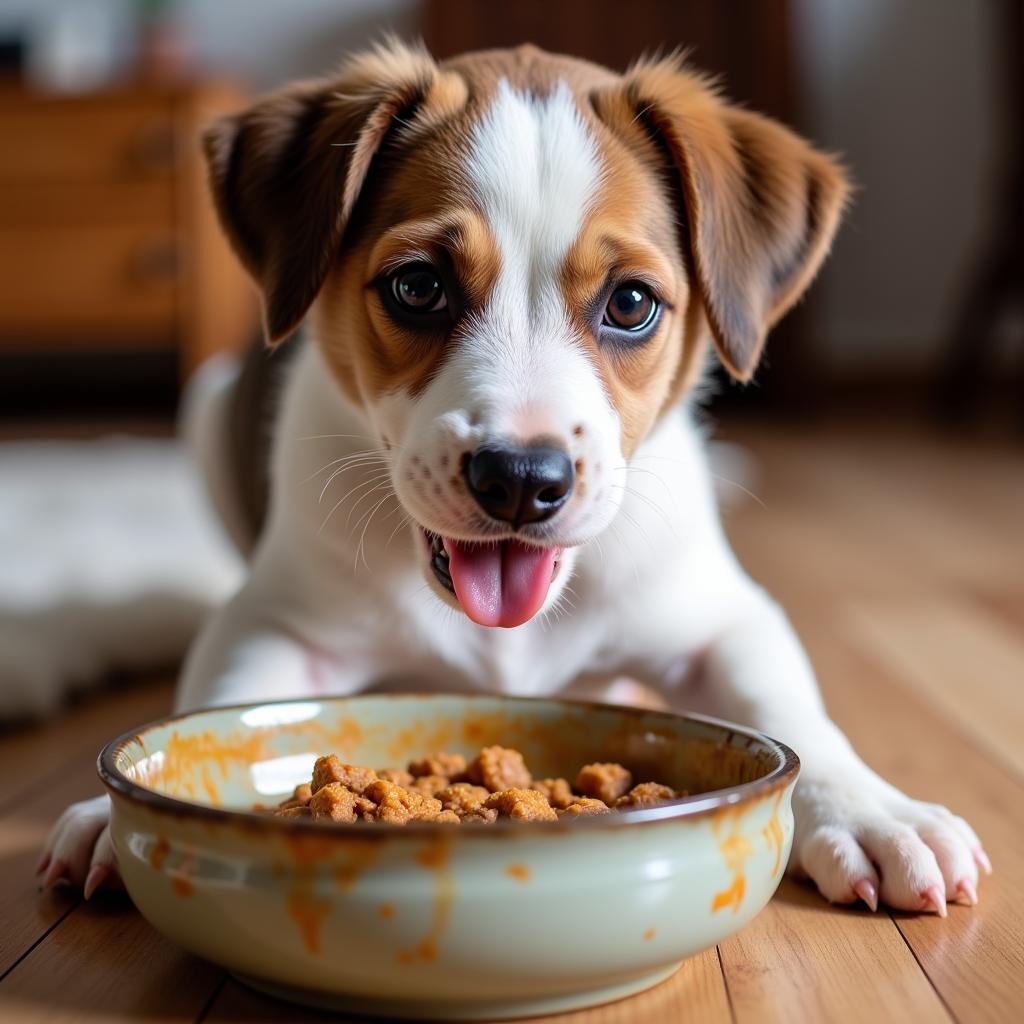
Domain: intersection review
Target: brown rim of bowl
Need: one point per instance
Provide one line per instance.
(685, 807)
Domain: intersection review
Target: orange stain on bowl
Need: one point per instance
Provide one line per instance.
(772, 833)
(309, 912)
(158, 854)
(735, 850)
(649, 934)
(192, 757)
(520, 872)
(434, 857)
(360, 854)
(386, 910)
(181, 881)
(306, 848)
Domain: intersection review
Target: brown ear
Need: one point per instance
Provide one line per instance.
(286, 173)
(761, 206)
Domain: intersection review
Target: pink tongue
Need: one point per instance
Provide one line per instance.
(501, 584)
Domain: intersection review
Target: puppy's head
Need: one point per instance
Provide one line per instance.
(514, 263)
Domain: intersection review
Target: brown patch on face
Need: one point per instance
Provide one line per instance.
(370, 350)
(631, 235)
(761, 206)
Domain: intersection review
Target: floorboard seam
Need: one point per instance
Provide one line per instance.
(208, 1005)
(60, 920)
(913, 952)
(725, 982)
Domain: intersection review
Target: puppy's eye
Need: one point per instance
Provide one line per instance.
(630, 308)
(419, 290)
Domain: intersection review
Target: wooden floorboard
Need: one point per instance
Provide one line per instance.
(65, 774)
(801, 960)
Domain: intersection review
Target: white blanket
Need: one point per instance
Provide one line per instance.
(110, 558)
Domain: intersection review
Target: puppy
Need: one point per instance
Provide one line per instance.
(484, 472)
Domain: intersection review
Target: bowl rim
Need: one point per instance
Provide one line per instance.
(688, 807)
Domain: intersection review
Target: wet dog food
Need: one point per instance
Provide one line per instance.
(445, 788)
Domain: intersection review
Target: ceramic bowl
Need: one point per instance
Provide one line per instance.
(441, 921)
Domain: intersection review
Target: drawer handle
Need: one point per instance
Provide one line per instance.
(156, 260)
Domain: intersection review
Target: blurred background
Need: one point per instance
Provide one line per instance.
(883, 432)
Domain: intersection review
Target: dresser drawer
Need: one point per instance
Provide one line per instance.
(80, 140)
(97, 287)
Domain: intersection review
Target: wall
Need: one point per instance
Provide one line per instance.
(905, 91)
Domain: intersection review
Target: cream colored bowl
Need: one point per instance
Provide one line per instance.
(443, 921)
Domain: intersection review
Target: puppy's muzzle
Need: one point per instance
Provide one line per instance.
(520, 485)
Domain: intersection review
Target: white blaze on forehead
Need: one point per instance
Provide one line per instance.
(535, 170)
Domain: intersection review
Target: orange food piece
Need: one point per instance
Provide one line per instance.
(605, 781)
(336, 802)
(462, 797)
(499, 769)
(451, 766)
(397, 805)
(430, 785)
(584, 807)
(558, 792)
(332, 769)
(647, 794)
(522, 805)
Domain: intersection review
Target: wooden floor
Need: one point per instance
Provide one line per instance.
(901, 561)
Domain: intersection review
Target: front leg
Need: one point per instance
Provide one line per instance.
(856, 835)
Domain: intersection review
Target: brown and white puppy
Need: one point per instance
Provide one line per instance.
(513, 266)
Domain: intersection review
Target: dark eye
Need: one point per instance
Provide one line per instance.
(630, 308)
(419, 290)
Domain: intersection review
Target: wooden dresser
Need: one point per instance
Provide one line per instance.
(108, 241)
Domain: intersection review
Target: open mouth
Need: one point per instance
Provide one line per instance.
(497, 583)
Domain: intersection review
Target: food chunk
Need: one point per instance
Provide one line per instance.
(522, 805)
(299, 798)
(584, 807)
(336, 802)
(397, 805)
(298, 811)
(443, 788)
(429, 785)
(462, 797)
(482, 816)
(499, 769)
(558, 792)
(332, 769)
(647, 794)
(605, 781)
(452, 766)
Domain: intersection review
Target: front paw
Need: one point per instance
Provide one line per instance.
(860, 839)
(78, 849)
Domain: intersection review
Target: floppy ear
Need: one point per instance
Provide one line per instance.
(761, 206)
(286, 173)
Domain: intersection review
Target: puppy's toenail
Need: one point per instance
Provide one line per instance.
(966, 892)
(867, 891)
(935, 900)
(98, 874)
(981, 858)
(53, 874)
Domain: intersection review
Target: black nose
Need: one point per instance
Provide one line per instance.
(520, 485)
